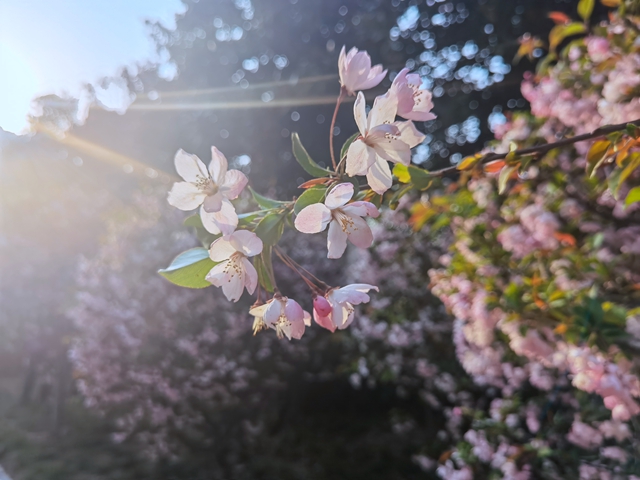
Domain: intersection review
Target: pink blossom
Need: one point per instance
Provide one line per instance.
(381, 141)
(414, 103)
(584, 436)
(282, 314)
(234, 272)
(598, 48)
(342, 301)
(356, 72)
(211, 190)
(345, 220)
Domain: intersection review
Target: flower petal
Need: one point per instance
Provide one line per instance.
(259, 310)
(340, 314)
(190, 167)
(360, 113)
(208, 221)
(359, 233)
(336, 240)
(246, 242)
(360, 157)
(355, 293)
(217, 276)
(273, 312)
(339, 195)
(217, 166)
(379, 177)
(293, 311)
(324, 322)
(313, 218)
(297, 328)
(234, 286)
(233, 184)
(250, 276)
(307, 319)
(383, 110)
(225, 220)
(185, 196)
(348, 321)
(376, 75)
(409, 134)
(221, 249)
(213, 203)
(361, 209)
(393, 150)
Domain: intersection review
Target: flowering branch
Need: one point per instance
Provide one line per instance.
(539, 149)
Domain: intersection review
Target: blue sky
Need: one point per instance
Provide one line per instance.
(55, 46)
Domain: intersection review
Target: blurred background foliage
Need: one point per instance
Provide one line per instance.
(243, 76)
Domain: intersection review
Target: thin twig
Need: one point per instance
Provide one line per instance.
(599, 132)
(333, 124)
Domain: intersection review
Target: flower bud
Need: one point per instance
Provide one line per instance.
(321, 306)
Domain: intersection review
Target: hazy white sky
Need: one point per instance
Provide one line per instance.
(54, 46)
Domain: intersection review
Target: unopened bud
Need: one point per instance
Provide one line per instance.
(322, 306)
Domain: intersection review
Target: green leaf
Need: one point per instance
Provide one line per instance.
(305, 161)
(596, 155)
(633, 196)
(264, 267)
(585, 9)
(560, 32)
(270, 228)
(505, 175)
(193, 221)
(308, 197)
(189, 269)
(615, 182)
(419, 177)
(265, 202)
(347, 144)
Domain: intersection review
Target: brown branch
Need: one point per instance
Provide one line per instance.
(538, 149)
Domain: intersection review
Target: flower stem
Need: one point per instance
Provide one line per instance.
(333, 124)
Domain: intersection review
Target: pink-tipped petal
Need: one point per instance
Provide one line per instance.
(360, 157)
(339, 195)
(324, 322)
(246, 242)
(233, 184)
(359, 232)
(379, 177)
(336, 240)
(218, 165)
(313, 218)
(213, 203)
(376, 75)
(185, 196)
(361, 209)
(190, 167)
(293, 311)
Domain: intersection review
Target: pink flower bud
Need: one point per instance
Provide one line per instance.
(321, 306)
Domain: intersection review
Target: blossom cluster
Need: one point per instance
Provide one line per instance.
(381, 140)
